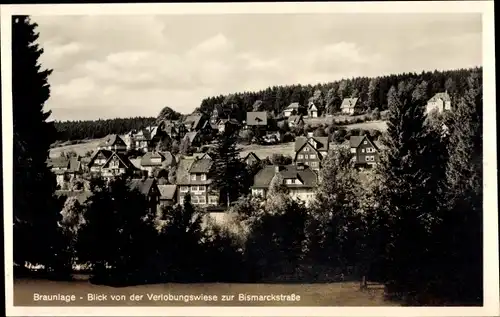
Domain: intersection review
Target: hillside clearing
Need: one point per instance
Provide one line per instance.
(370, 125)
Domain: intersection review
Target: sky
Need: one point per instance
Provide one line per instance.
(125, 66)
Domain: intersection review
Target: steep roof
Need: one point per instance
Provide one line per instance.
(122, 157)
(251, 154)
(440, 95)
(193, 120)
(112, 140)
(58, 162)
(191, 135)
(142, 185)
(201, 166)
(293, 106)
(182, 171)
(307, 176)
(355, 141)
(321, 143)
(349, 102)
(167, 192)
(165, 158)
(257, 118)
(106, 153)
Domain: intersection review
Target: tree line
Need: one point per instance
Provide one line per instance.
(414, 224)
(372, 93)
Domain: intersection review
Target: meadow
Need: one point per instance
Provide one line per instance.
(328, 294)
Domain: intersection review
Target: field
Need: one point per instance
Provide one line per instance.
(370, 125)
(79, 149)
(332, 294)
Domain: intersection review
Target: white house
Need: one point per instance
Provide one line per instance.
(440, 102)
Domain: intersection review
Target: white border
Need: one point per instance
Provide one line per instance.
(491, 268)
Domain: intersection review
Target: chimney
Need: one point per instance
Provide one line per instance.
(277, 168)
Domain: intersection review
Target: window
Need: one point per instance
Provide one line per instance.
(365, 142)
(288, 181)
(194, 200)
(353, 150)
(184, 189)
(193, 177)
(306, 156)
(300, 157)
(306, 149)
(370, 150)
(312, 156)
(194, 188)
(362, 150)
(201, 189)
(202, 200)
(213, 200)
(314, 164)
(293, 181)
(370, 158)
(203, 177)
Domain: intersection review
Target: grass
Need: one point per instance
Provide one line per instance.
(331, 294)
(80, 148)
(369, 125)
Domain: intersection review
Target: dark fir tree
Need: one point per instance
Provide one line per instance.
(228, 171)
(462, 254)
(408, 198)
(35, 211)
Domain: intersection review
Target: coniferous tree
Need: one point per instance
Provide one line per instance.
(36, 212)
(228, 171)
(407, 215)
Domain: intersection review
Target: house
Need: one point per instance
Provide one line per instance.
(149, 188)
(193, 137)
(116, 164)
(365, 152)
(167, 194)
(224, 124)
(251, 158)
(65, 169)
(256, 118)
(81, 195)
(153, 160)
(440, 102)
(311, 151)
(193, 122)
(295, 120)
(300, 180)
(312, 110)
(141, 140)
(192, 177)
(219, 112)
(293, 108)
(98, 159)
(349, 106)
(113, 143)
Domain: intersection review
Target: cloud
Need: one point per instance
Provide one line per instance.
(119, 66)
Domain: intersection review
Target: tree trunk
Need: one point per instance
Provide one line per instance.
(363, 284)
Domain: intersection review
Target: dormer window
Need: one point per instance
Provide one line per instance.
(203, 177)
(365, 142)
(193, 177)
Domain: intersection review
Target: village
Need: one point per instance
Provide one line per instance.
(166, 177)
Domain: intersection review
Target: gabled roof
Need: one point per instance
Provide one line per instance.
(191, 136)
(165, 158)
(106, 153)
(253, 155)
(355, 141)
(349, 102)
(201, 166)
(122, 157)
(142, 185)
(257, 118)
(112, 140)
(167, 192)
(312, 106)
(193, 120)
(201, 156)
(293, 106)
(440, 95)
(295, 119)
(307, 176)
(321, 143)
(58, 162)
(300, 141)
(182, 171)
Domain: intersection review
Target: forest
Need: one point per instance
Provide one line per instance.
(372, 94)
